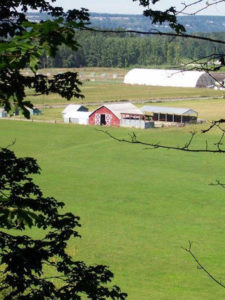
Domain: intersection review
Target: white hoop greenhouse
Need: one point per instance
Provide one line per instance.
(174, 78)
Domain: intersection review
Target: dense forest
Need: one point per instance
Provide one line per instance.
(123, 50)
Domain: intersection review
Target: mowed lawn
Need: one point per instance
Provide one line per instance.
(138, 206)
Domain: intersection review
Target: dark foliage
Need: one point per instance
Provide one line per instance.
(23, 43)
(23, 258)
(160, 17)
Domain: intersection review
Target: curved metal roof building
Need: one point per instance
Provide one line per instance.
(174, 78)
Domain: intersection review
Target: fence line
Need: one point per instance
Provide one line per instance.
(33, 120)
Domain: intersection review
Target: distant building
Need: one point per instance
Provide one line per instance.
(74, 107)
(3, 113)
(76, 113)
(34, 111)
(118, 114)
(16, 112)
(220, 79)
(173, 78)
(171, 114)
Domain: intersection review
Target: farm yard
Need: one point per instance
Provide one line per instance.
(138, 207)
(105, 85)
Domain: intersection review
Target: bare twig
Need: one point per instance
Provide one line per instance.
(207, 4)
(10, 145)
(218, 183)
(214, 124)
(200, 266)
(157, 145)
(219, 143)
(160, 33)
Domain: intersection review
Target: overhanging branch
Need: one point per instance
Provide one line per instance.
(171, 34)
(186, 147)
(200, 266)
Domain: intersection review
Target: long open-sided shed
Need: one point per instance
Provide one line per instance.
(171, 114)
(118, 114)
(173, 78)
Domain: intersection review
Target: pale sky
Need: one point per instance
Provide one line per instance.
(130, 7)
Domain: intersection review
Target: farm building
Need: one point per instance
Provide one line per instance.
(171, 114)
(16, 112)
(34, 111)
(173, 78)
(74, 107)
(75, 113)
(218, 76)
(3, 113)
(118, 114)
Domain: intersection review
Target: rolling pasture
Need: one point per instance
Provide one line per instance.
(208, 109)
(105, 84)
(138, 206)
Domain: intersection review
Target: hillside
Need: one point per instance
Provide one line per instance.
(137, 207)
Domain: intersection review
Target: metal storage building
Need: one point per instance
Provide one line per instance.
(173, 78)
(171, 114)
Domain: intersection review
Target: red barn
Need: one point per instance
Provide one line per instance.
(111, 114)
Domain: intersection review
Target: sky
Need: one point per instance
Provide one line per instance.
(130, 7)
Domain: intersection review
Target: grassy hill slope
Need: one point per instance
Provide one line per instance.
(137, 206)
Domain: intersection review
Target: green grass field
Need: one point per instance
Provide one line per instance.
(106, 84)
(96, 92)
(138, 207)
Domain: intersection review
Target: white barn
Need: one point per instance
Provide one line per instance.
(173, 78)
(3, 113)
(76, 113)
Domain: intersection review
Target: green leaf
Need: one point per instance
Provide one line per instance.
(34, 62)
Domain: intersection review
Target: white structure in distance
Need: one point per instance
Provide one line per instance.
(76, 113)
(173, 78)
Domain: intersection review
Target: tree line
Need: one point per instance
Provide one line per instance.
(129, 50)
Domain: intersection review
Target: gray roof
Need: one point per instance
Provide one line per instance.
(169, 110)
(71, 108)
(122, 108)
